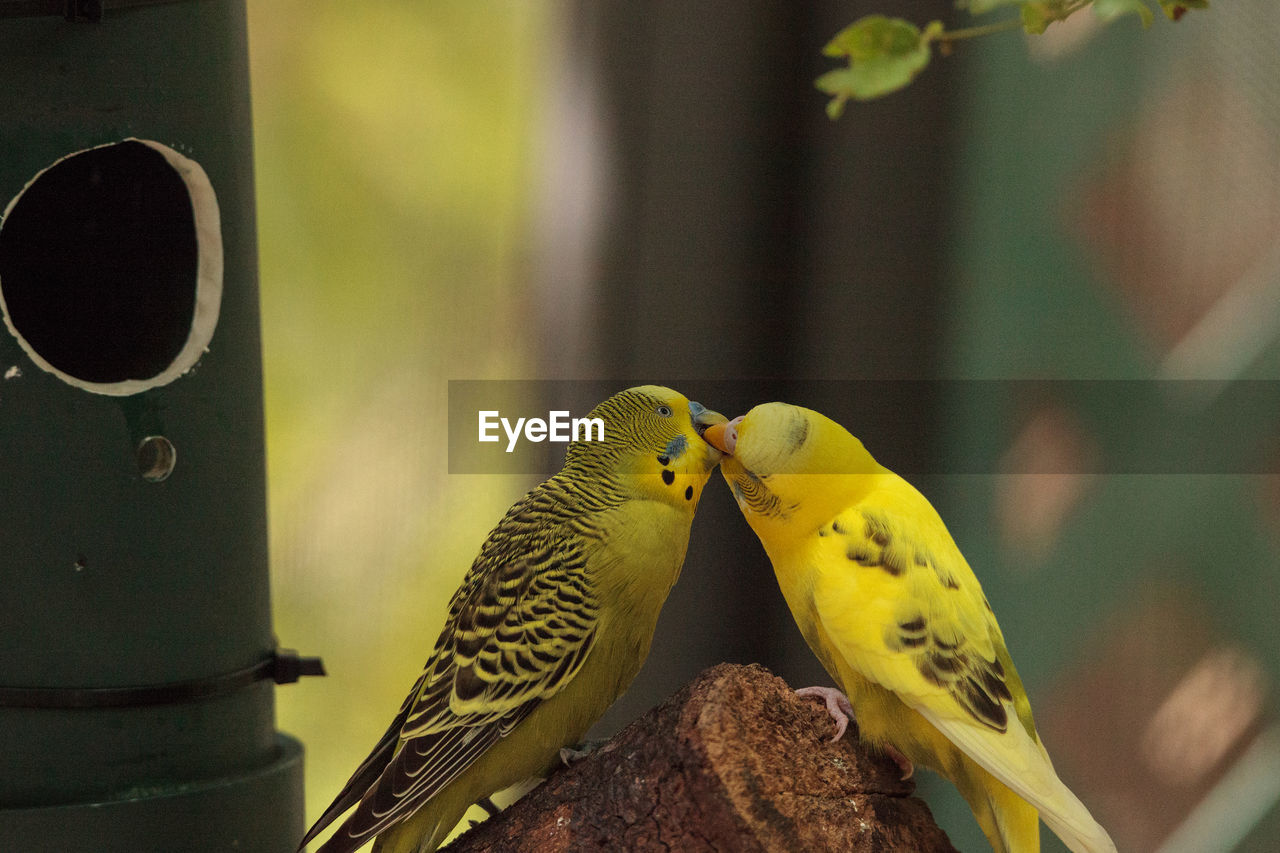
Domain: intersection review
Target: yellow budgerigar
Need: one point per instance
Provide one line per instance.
(892, 610)
(549, 626)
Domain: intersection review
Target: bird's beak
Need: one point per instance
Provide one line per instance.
(723, 436)
(704, 418)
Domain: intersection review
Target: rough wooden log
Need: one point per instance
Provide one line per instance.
(734, 761)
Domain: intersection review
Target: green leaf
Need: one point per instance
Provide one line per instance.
(835, 83)
(1035, 18)
(981, 7)
(1108, 10)
(1175, 9)
(884, 54)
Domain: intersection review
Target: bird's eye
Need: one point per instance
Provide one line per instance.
(665, 411)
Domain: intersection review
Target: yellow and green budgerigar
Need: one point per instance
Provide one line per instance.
(550, 625)
(892, 610)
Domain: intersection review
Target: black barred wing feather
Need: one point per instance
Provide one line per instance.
(924, 630)
(518, 630)
(936, 642)
(523, 633)
(367, 774)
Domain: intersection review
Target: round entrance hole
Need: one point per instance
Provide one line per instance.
(111, 267)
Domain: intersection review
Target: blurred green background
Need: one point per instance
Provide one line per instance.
(394, 173)
(652, 192)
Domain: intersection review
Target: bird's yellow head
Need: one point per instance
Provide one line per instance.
(652, 444)
(791, 469)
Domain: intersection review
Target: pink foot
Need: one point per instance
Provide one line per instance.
(904, 763)
(837, 706)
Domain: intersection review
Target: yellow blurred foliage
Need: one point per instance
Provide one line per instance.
(393, 165)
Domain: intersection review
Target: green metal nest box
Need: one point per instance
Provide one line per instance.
(137, 660)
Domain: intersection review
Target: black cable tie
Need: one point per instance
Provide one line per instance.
(289, 666)
(283, 666)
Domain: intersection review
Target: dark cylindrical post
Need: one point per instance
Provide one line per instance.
(136, 651)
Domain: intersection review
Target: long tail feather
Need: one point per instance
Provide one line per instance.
(1022, 764)
(364, 776)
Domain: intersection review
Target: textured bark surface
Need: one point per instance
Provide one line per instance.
(734, 761)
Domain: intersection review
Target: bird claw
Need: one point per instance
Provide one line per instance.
(571, 755)
(840, 709)
(837, 703)
(904, 763)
